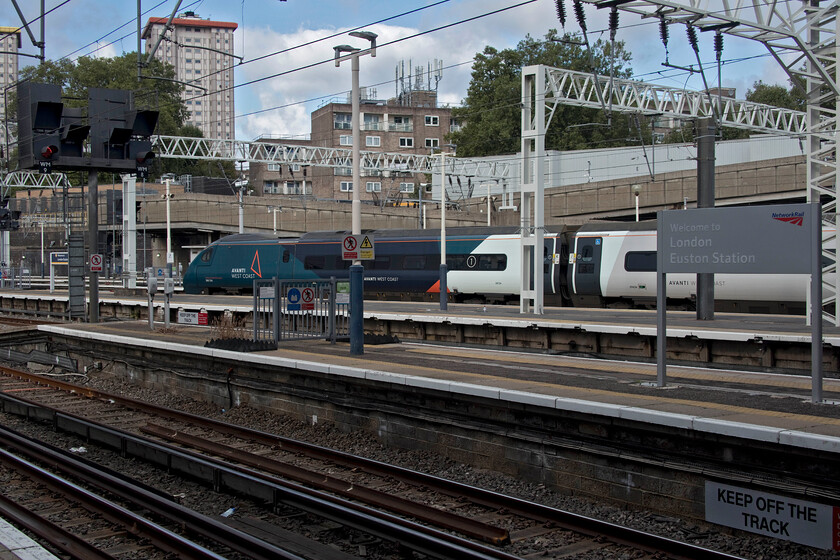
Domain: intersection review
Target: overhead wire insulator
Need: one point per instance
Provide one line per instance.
(692, 37)
(580, 15)
(719, 45)
(561, 12)
(613, 22)
(663, 31)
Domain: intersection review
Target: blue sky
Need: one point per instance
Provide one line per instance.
(281, 105)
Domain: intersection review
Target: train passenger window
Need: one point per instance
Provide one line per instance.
(640, 261)
(286, 256)
(456, 262)
(414, 262)
(315, 262)
(381, 263)
(207, 255)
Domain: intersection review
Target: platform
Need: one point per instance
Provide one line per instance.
(767, 407)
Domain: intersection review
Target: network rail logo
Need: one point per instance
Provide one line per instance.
(795, 218)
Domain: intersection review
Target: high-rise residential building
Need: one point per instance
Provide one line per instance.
(9, 46)
(201, 51)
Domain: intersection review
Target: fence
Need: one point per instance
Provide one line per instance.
(300, 309)
(15, 278)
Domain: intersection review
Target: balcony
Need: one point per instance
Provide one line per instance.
(373, 125)
(342, 125)
(401, 127)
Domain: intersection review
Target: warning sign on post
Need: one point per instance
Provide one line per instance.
(357, 247)
(96, 263)
(785, 518)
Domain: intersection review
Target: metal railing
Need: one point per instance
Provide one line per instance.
(299, 309)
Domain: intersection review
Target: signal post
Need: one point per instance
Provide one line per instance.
(110, 134)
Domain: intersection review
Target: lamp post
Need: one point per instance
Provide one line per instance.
(637, 189)
(170, 258)
(357, 334)
(444, 290)
(274, 210)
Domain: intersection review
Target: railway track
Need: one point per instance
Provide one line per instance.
(432, 516)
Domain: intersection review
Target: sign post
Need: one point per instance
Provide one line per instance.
(777, 239)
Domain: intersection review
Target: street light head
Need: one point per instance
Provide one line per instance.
(369, 36)
(341, 49)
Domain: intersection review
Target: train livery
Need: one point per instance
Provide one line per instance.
(598, 265)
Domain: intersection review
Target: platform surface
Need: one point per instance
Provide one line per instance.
(762, 406)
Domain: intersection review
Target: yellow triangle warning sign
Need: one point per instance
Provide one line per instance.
(366, 244)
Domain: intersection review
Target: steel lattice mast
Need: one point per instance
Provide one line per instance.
(801, 37)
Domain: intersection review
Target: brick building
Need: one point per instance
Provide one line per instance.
(411, 124)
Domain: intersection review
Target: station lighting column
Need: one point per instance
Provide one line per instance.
(357, 334)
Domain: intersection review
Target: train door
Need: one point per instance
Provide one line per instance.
(551, 265)
(586, 269)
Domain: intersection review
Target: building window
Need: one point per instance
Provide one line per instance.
(343, 120)
(406, 142)
(432, 142)
(345, 140)
(432, 120)
(346, 186)
(372, 141)
(406, 187)
(373, 186)
(371, 122)
(274, 167)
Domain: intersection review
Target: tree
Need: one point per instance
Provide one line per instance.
(777, 96)
(492, 113)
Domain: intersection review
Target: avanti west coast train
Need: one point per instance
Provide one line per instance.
(598, 265)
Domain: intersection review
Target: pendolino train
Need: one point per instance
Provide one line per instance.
(597, 265)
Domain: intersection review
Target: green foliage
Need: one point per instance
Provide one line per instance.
(492, 113)
(777, 96)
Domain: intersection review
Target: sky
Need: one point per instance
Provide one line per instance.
(281, 105)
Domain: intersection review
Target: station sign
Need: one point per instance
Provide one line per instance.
(357, 248)
(192, 317)
(60, 257)
(784, 518)
(752, 240)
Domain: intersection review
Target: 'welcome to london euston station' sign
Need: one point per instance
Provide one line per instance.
(753, 240)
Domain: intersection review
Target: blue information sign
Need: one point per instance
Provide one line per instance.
(293, 299)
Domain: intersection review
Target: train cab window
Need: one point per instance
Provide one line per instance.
(640, 261)
(585, 254)
(315, 262)
(207, 255)
(492, 262)
(414, 262)
(286, 256)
